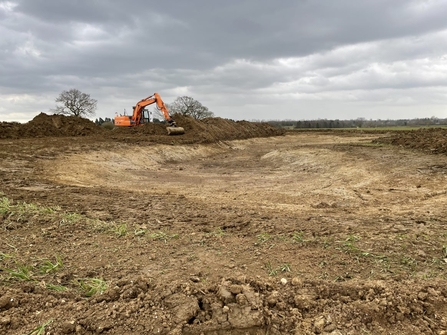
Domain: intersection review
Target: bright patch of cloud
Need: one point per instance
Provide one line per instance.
(7, 6)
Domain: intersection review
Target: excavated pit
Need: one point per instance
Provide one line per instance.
(227, 230)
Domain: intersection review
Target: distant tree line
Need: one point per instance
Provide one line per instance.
(76, 103)
(357, 123)
(100, 121)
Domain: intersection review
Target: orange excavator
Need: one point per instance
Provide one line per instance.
(140, 115)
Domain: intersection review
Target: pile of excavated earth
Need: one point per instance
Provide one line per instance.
(430, 140)
(196, 131)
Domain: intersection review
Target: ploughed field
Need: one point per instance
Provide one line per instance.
(233, 228)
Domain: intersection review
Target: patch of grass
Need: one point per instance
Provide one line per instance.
(22, 212)
(4, 256)
(218, 232)
(21, 272)
(327, 242)
(352, 238)
(26, 272)
(120, 230)
(91, 286)
(5, 205)
(444, 251)
(298, 237)
(409, 262)
(270, 269)
(139, 232)
(285, 267)
(20, 209)
(384, 265)
(40, 330)
(48, 266)
(70, 218)
(349, 246)
(263, 237)
(58, 288)
(99, 226)
(273, 271)
(162, 236)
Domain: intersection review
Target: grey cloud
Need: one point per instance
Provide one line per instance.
(254, 51)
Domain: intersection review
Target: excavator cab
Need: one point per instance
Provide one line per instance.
(145, 116)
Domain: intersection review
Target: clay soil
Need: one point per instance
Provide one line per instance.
(232, 228)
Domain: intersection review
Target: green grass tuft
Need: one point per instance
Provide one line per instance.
(91, 286)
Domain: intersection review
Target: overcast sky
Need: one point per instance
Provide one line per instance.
(243, 59)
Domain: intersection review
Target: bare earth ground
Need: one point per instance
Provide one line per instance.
(307, 233)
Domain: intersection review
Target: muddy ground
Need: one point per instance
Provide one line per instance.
(136, 232)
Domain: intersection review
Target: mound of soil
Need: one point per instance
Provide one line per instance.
(44, 125)
(196, 131)
(433, 140)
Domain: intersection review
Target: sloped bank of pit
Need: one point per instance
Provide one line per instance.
(196, 131)
(430, 140)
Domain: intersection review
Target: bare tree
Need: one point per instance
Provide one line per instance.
(157, 114)
(189, 106)
(75, 103)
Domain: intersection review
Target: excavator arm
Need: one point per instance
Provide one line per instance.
(138, 110)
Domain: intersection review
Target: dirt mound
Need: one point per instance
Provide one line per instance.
(44, 125)
(196, 131)
(433, 140)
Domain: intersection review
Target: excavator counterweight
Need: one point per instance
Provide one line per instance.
(137, 118)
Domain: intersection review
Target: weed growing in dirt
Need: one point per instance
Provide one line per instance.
(5, 204)
(263, 237)
(91, 286)
(24, 272)
(327, 242)
(409, 262)
(298, 237)
(4, 256)
(218, 232)
(70, 218)
(348, 245)
(273, 271)
(384, 265)
(285, 267)
(21, 272)
(444, 251)
(22, 212)
(40, 330)
(120, 230)
(99, 226)
(270, 269)
(18, 211)
(58, 288)
(139, 232)
(47, 266)
(162, 236)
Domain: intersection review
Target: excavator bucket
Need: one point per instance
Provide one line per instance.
(175, 130)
